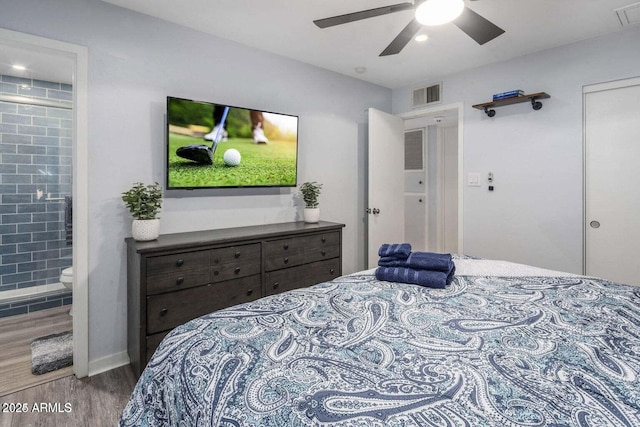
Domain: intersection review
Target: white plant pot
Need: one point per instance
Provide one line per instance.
(311, 215)
(144, 230)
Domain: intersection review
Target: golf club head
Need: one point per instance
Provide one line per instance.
(201, 154)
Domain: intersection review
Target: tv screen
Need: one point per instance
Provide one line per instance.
(216, 146)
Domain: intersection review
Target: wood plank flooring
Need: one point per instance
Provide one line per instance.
(92, 401)
(56, 398)
(16, 334)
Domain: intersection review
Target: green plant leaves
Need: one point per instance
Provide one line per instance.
(143, 202)
(310, 192)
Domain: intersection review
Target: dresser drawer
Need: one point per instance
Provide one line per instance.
(171, 309)
(173, 281)
(302, 276)
(177, 262)
(322, 240)
(284, 247)
(235, 254)
(235, 270)
(287, 253)
(279, 262)
(284, 253)
(324, 252)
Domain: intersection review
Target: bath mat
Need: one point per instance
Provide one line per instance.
(51, 352)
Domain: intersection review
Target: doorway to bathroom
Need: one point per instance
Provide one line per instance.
(431, 181)
(38, 147)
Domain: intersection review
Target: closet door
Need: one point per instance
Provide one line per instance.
(612, 180)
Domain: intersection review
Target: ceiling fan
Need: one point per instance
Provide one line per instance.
(427, 13)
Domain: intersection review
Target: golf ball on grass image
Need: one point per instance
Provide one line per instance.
(231, 157)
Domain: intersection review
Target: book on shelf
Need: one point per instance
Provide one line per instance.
(508, 94)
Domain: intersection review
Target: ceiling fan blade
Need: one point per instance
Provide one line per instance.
(402, 39)
(363, 14)
(478, 28)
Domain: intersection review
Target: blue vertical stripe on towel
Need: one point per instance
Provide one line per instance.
(396, 250)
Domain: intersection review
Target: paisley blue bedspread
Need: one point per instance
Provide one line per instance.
(486, 351)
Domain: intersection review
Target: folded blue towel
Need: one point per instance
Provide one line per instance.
(421, 261)
(396, 250)
(427, 278)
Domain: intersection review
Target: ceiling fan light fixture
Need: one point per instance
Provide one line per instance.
(438, 12)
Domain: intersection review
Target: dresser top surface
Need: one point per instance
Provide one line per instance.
(229, 235)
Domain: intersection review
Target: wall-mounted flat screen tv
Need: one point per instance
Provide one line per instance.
(216, 146)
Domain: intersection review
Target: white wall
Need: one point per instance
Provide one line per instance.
(135, 61)
(535, 213)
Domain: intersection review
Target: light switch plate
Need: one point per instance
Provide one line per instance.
(473, 179)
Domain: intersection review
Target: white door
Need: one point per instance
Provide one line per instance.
(386, 182)
(612, 196)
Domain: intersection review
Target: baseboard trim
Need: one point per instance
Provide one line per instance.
(17, 295)
(108, 363)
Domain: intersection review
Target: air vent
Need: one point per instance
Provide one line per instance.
(629, 15)
(413, 150)
(427, 95)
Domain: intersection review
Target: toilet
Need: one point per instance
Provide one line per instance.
(66, 278)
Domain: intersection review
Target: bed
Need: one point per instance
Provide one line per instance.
(504, 344)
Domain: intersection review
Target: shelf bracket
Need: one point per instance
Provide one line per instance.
(490, 112)
(535, 104)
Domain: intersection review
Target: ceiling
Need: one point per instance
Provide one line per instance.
(285, 27)
(39, 65)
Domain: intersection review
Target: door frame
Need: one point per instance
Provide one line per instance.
(587, 89)
(428, 111)
(79, 54)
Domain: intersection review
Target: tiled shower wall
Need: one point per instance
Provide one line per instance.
(35, 171)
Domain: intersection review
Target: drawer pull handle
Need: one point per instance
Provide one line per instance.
(275, 285)
(237, 255)
(324, 239)
(249, 292)
(180, 262)
(286, 260)
(237, 270)
(163, 312)
(331, 271)
(216, 272)
(323, 253)
(179, 281)
(286, 246)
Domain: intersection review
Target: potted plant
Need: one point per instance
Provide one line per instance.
(144, 202)
(310, 192)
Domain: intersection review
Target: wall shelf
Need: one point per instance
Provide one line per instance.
(533, 98)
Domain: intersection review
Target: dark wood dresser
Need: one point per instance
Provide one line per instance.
(181, 276)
